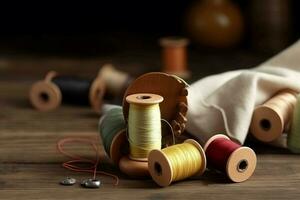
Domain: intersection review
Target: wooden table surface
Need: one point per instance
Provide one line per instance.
(30, 166)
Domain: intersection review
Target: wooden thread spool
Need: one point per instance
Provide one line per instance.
(227, 156)
(47, 95)
(174, 56)
(115, 80)
(273, 117)
(163, 171)
(135, 164)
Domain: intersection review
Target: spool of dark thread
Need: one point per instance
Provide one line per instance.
(50, 93)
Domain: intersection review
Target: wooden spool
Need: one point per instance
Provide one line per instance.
(45, 95)
(143, 100)
(272, 118)
(138, 166)
(160, 167)
(174, 56)
(171, 88)
(241, 163)
(134, 168)
(115, 80)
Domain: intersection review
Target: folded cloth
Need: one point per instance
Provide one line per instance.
(224, 103)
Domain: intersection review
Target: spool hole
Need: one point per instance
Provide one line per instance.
(157, 168)
(44, 96)
(242, 166)
(143, 97)
(265, 124)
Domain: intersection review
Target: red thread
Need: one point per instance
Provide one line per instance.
(71, 164)
(218, 152)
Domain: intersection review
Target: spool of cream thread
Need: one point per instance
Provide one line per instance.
(293, 140)
(177, 162)
(174, 56)
(144, 132)
(116, 81)
(272, 118)
(112, 128)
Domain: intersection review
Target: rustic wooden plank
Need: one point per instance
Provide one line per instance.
(30, 166)
(270, 181)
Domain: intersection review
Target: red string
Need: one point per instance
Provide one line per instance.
(218, 152)
(76, 159)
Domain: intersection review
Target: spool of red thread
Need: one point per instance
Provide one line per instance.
(224, 155)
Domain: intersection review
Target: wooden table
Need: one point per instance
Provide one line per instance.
(30, 166)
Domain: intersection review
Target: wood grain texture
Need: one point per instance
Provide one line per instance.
(30, 166)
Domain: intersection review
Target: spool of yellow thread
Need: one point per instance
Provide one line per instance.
(176, 162)
(144, 132)
(273, 117)
(144, 124)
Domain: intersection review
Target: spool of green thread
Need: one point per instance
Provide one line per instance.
(112, 128)
(294, 135)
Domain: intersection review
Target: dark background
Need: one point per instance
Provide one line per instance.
(55, 25)
(123, 32)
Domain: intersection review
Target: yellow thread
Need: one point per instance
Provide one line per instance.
(185, 160)
(144, 129)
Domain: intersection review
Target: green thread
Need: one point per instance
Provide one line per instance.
(294, 135)
(111, 124)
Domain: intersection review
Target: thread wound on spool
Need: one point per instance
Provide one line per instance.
(293, 140)
(112, 128)
(116, 81)
(174, 56)
(176, 162)
(144, 124)
(50, 93)
(272, 118)
(229, 157)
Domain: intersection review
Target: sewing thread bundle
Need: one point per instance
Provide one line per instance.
(50, 93)
(174, 56)
(294, 135)
(272, 118)
(229, 157)
(144, 125)
(176, 162)
(112, 128)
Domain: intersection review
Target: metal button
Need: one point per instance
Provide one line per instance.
(68, 181)
(91, 183)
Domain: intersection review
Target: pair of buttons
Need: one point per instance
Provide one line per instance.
(87, 183)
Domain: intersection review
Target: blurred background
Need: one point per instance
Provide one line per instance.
(78, 38)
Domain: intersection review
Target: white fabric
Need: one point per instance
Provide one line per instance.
(225, 102)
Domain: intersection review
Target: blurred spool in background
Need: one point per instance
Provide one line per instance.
(177, 162)
(116, 81)
(224, 155)
(174, 56)
(215, 23)
(48, 94)
(272, 118)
